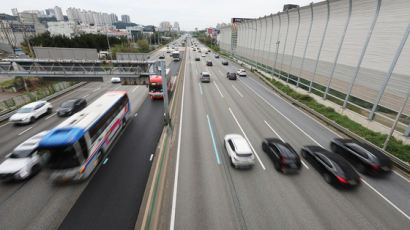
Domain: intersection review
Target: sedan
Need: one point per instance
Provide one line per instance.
(333, 168)
(203, 55)
(30, 112)
(224, 62)
(209, 63)
(231, 76)
(239, 151)
(284, 157)
(24, 161)
(364, 157)
(216, 56)
(197, 59)
(162, 56)
(71, 106)
(241, 73)
(115, 80)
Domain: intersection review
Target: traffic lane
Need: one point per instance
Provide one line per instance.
(37, 203)
(13, 135)
(202, 203)
(249, 108)
(122, 178)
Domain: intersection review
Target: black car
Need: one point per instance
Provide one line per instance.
(284, 157)
(224, 62)
(231, 76)
(334, 168)
(161, 56)
(365, 158)
(209, 63)
(71, 106)
(197, 59)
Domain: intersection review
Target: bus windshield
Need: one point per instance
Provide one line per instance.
(155, 88)
(62, 157)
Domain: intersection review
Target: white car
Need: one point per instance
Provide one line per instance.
(30, 112)
(239, 151)
(203, 55)
(241, 73)
(24, 161)
(115, 80)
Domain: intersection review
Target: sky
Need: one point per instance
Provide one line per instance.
(190, 14)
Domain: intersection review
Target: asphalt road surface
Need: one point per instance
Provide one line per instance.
(37, 203)
(213, 195)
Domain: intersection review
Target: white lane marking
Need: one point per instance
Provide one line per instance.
(218, 89)
(302, 112)
(1, 126)
(398, 174)
(25, 130)
(388, 201)
(96, 89)
(136, 114)
(283, 115)
(52, 115)
(86, 95)
(174, 194)
(150, 158)
(304, 164)
(237, 90)
(117, 87)
(240, 127)
(135, 88)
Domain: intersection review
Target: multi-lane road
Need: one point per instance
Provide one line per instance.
(209, 194)
(114, 193)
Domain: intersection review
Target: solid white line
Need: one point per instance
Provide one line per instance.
(25, 130)
(237, 90)
(52, 115)
(174, 194)
(256, 154)
(117, 87)
(135, 88)
(398, 174)
(150, 158)
(388, 201)
(86, 95)
(304, 164)
(218, 89)
(284, 116)
(96, 89)
(1, 126)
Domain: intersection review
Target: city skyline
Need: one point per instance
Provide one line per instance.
(203, 15)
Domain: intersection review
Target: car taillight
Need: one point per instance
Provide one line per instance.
(282, 160)
(375, 166)
(359, 179)
(341, 179)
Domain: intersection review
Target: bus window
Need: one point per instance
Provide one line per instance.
(84, 147)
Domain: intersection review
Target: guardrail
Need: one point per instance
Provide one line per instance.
(8, 115)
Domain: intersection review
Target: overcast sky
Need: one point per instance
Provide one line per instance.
(189, 13)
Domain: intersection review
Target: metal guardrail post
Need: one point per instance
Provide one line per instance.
(306, 45)
(389, 72)
(294, 46)
(320, 48)
(369, 35)
(338, 50)
(277, 45)
(284, 46)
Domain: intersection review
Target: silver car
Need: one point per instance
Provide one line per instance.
(23, 161)
(30, 112)
(239, 151)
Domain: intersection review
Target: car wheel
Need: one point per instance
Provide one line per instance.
(277, 166)
(49, 110)
(32, 119)
(233, 165)
(327, 178)
(303, 154)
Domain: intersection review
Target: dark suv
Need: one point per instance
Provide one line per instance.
(231, 76)
(209, 63)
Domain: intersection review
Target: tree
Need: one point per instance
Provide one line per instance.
(143, 46)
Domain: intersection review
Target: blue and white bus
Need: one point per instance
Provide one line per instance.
(77, 146)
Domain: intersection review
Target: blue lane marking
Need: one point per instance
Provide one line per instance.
(105, 161)
(213, 140)
(200, 87)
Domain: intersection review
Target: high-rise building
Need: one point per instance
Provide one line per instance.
(58, 13)
(15, 12)
(176, 27)
(114, 18)
(164, 26)
(125, 18)
(50, 12)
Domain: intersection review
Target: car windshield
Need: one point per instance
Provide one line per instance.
(25, 110)
(68, 104)
(21, 153)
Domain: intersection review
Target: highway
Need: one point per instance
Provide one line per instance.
(210, 194)
(39, 204)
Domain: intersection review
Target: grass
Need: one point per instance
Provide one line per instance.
(395, 147)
